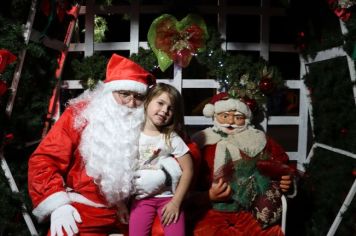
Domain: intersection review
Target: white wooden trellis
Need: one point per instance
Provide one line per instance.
(322, 56)
(264, 47)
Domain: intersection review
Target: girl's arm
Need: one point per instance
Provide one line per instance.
(170, 212)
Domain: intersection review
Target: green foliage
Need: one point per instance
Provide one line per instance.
(234, 72)
(326, 183)
(318, 27)
(90, 70)
(145, 58)
(334, 110)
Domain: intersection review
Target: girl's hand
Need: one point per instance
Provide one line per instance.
(170, 213)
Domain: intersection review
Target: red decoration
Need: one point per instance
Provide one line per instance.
(266, 85)
(179, 45)
(175, 41)
(3, 88)
(251, 103)
(341, 11)
(61, 8)
(6, 58)
(354, 172)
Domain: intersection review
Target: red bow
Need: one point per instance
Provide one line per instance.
(6, 58)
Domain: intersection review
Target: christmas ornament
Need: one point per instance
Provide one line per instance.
(3, 88)
(266, 84)
(175, 41)
(6, 58)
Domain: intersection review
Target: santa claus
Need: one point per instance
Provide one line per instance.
(230, 183)
(83, 169)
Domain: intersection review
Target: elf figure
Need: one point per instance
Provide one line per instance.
(242, 174)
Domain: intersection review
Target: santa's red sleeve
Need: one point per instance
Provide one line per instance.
(49, 163)
(276, 152)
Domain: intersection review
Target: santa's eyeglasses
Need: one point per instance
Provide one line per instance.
(128, 96)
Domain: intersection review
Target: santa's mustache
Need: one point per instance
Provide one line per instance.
(228, 126)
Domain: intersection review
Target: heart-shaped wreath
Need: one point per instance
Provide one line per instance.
(175, 41)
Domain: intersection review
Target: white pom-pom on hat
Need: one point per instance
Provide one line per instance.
(209, 110)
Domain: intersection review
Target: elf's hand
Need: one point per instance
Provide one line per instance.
(170, 213)
(285, 183)
(64, 218)
(220, 191)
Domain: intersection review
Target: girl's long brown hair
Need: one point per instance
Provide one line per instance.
(177, 123)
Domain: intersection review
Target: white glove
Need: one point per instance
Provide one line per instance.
(65, 217)
(148, 182)
(171, 166)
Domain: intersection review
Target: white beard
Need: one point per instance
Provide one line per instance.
(109, 144)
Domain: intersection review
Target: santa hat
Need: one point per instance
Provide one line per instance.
(124, 74)
(222, 103)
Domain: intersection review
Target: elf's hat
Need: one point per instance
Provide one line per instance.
(124, 74)
(221, 102)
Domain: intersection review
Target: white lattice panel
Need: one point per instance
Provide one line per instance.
(263, 47)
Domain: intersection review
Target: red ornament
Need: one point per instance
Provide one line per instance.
(354, 172)
(179, 45)
(8, 138)
(266, 85)
(3, 88)
(251, 103)
(6, 58)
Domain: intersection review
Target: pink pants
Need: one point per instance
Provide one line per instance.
(143, 213)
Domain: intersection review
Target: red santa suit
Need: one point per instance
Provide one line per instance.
(87, 158)
(214, 145)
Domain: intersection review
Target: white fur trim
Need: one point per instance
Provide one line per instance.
(129, 85)
(226, 105)
(76, 197)
(208, 110)
(51, 203)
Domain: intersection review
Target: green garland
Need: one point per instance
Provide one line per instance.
(238, 74)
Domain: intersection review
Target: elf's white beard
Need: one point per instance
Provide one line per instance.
(109, 145)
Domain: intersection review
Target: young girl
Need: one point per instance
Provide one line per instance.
(159, 140)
